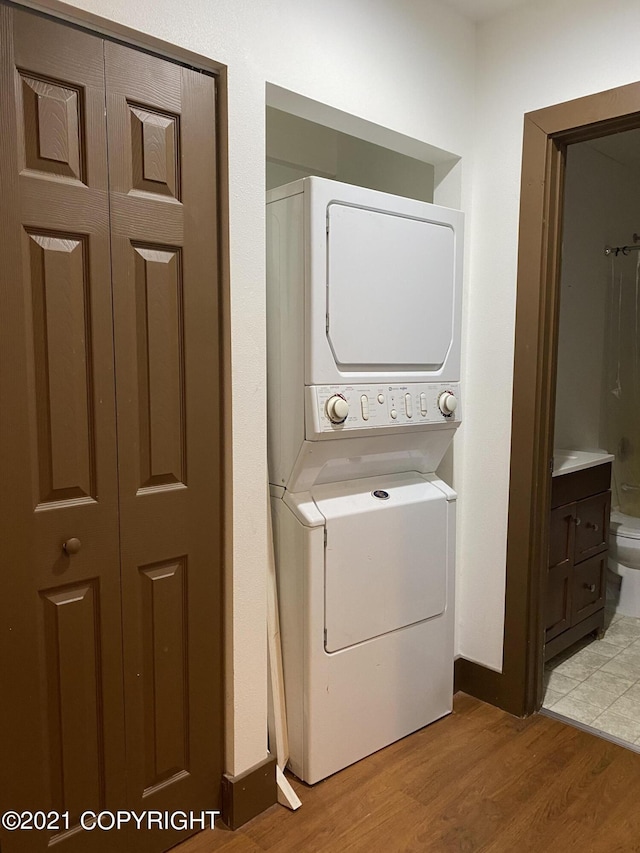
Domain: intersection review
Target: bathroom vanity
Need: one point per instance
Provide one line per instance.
(578, 544)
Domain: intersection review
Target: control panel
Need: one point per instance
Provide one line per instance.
(334, 409)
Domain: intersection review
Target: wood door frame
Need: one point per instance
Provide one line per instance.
(547, 133)
(94, 24)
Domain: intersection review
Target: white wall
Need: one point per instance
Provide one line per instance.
(543, 53)
(399, 64)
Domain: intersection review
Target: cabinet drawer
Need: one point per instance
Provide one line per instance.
(592, 526)
(588, 592)
(567, 488)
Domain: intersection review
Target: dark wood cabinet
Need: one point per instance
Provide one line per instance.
(577, 557)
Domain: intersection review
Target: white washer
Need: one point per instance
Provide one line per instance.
(364, 298)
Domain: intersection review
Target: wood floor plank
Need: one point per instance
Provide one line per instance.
(220, 838)
(478, 781)
(582, 805)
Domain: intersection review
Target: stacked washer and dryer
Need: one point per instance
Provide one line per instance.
(364, 303)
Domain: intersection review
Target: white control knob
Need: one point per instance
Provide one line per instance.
(447, 403)
(337, 409)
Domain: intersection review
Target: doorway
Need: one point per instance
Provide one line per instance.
(110, 435)
(547, 133)
(592, 619)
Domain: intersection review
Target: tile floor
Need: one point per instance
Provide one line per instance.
(597, 682)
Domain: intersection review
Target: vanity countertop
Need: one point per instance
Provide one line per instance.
(566, 461)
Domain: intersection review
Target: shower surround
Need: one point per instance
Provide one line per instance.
(620, 412)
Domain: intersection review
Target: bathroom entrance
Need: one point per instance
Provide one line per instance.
(550, 410)
(592, 607)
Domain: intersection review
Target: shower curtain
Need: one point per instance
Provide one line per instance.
(621, 399)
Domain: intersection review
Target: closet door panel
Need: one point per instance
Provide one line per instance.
(161, 128)
(62, 715)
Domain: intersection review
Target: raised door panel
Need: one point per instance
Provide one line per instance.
(161, 127)
(589, 587)
(592, 526)
(62, 716)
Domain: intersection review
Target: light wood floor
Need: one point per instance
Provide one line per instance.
(478, 780)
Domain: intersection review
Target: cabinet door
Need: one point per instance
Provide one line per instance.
(592, 526)
(559, 587)
(61, 714)
(588, 593)
(162, 175)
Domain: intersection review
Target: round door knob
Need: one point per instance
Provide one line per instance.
(447, 403)
(590, 586)
(72, 546)
(337, 409)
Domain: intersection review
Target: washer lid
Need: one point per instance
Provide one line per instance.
(390, 289)
(385, 556)
(624, 525)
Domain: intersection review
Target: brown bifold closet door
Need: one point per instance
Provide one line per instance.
(162, 173)
(61, 698)
(110, 444)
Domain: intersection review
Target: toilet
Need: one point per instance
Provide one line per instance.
(624, 560)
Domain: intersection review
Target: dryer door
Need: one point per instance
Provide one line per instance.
(390, 290)
(385, 557)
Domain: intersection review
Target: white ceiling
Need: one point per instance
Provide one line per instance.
(481, 10)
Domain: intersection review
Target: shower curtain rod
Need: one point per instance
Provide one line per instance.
(623, 250)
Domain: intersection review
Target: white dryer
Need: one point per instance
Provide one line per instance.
(364, 298)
